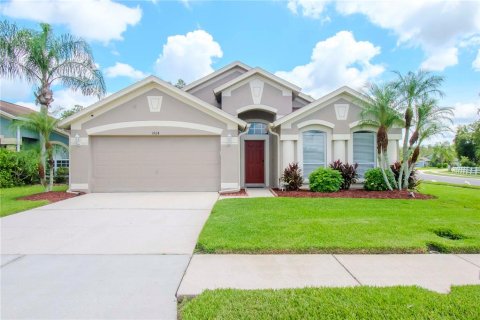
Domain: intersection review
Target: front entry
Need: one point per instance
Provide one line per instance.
(255, 161)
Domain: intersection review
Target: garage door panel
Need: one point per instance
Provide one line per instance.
(156, 164)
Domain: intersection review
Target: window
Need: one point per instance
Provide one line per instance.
(364, 151)
(258, 128)
(314, 154)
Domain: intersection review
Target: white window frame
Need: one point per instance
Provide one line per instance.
(374, 146)
(328, 144)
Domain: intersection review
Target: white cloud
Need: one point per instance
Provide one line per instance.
(466, 112)
(308, 8)
(102, 20)
(11, 90)
(476, 62)
(441, 59)
(124, 70)
(336, 61)
(188, 57)
(435, 26)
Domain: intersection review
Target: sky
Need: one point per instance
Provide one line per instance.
(317, 45)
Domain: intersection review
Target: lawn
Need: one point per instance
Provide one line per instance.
(9, 203)
(334, 303)
(328, 225)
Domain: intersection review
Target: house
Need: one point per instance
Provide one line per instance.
(237, 127)
(17, 138)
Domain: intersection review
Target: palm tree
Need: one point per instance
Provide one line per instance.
(380, 111)
(45, 60)
(44, 124)
(413, 88)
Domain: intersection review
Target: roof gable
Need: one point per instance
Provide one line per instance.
(253, 72)
(217, 73)
(318, 104)
(161, 85)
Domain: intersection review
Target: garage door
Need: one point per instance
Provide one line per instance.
(156, 163)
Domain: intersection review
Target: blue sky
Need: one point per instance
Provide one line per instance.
(318, 45)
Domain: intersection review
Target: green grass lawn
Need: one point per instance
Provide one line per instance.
(327, 225)
(334, 303)
(9, 203)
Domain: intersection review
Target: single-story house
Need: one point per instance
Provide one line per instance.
(17, 138)
(234, 128)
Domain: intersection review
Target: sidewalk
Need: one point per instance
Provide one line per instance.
(435, 272)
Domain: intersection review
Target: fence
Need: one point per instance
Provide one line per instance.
(466, 170)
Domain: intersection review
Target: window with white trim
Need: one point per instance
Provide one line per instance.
(364, 151)
(258, 128)
(314, 151)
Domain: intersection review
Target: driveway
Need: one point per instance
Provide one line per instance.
(100, 255)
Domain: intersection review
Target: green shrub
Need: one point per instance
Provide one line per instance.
(325, 180)
(466, 162)
(18, 168)
(61, 175)
(374, 180)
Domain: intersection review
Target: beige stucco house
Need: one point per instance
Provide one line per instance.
(237, 127)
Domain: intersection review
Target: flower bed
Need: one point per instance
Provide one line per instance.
(51, 196)
(353, 193)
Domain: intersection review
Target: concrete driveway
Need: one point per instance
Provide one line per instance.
(104, 256)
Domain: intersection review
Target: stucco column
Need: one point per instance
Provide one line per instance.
(288, 153)
(392, 151)
(339, 150)
(230, 163)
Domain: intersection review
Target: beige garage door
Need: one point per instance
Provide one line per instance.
(156, 163)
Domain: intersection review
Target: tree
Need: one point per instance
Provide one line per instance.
(413, 88)
(44, 124)
(465, 143)
(180, 84)
(443, 153)
(43, 59)
(69, 112)
(380, 111)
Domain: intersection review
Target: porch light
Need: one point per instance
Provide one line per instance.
(77, 139)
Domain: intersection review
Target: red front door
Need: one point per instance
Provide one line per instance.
(254, 161)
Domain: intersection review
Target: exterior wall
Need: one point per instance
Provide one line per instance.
(270, 97)
(127, 118)
(299, 103)
(205, 90)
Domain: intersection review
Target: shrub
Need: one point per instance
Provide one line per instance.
(292, 177)
(413, 181)
(325, 180)
(466, 162)
(374, 180)
(18, 168)
(348, 172)
(61, 175)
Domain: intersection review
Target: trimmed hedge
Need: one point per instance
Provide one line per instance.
(374, 180)
(325, 180)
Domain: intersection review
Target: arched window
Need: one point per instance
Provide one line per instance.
(314, 152)
(364, 150)
(258, 128)
(60, 156)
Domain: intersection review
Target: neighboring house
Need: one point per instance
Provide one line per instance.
(21, 138)
(422, 162)
(236, 127)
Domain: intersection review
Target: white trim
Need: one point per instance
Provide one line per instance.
(155, 103)
(149, 83)
(229, 185)
(7, 115)
(258, 71)
(315, 122)
(256, 90)
(59, 143)
(79, 186)
(143, 124)
(19, 138)
(306, 97)
(328, 145)
(341, 136)
(229, 140)
(318, 104)
(338, 110)
(395, 136)
(285, 137)
(257, 107)
(212, 75)
(354, 124)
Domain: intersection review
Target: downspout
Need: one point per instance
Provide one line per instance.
(270, 127)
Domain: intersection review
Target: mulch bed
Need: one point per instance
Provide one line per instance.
(354, 193)
(51, 196)
(241, 193)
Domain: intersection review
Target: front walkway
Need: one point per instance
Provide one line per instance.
(432, 271)
(100, 256)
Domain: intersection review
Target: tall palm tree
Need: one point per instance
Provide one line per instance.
(413, 88)
(380, 111)
(43, 59)
(44, 124)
